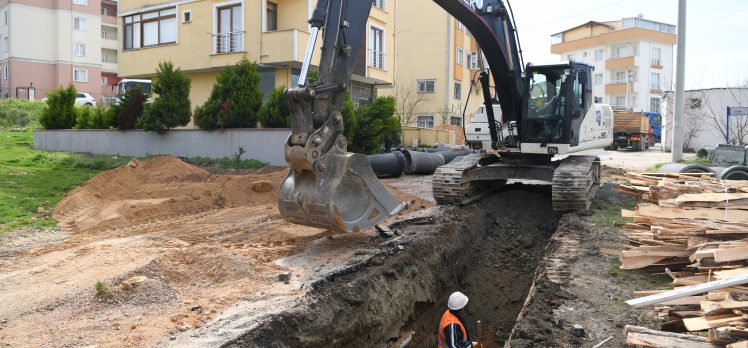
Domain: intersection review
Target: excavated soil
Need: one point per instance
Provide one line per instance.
(176, 244)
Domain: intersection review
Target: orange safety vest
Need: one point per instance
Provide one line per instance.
(447, 319)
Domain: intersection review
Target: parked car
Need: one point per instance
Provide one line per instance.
(85, 99)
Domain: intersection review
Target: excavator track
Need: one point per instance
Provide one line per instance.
(575, 183)
(450, 186)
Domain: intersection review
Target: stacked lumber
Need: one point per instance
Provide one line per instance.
(699, 226)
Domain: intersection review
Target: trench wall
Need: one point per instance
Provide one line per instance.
(261, 144)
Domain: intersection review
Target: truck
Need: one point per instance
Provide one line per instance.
(655, 127)
(630, 129)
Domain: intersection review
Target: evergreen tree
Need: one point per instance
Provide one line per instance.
(275, 112)
(60, 112)
(235, 100)
(130, 108)
(171, 107)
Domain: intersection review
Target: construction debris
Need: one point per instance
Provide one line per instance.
(697, 225)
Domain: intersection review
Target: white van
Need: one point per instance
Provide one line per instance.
(127, 84)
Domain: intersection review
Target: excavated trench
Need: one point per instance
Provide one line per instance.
(489, 250)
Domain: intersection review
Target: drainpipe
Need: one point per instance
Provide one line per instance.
(449, 64)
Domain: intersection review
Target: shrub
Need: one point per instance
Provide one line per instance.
(235, 99)
(103, 290)
(275, 112)
(60, 111)
(20, 113)
(130, 108)
(376, 125)
(350, 123)
(94, 118)
(172, 106)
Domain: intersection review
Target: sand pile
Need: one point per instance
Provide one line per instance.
(157, 189)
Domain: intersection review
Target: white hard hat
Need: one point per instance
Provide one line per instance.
(457, 301)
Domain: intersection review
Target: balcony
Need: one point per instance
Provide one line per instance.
(284, 47)
(228, 42)
(376, 59)
(619, 87)
(110, 44)
(109, 21)
(620, 63)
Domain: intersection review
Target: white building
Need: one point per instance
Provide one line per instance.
(633, 60)
(706, 117)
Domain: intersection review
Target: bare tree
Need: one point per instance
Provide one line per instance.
(408, 99)
(693, 116)
(717, 118)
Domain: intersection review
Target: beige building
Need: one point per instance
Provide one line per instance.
(435, 60)
(633, 60)
(47, 44)
(203, 36)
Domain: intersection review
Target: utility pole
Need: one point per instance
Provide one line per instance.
(680, 72)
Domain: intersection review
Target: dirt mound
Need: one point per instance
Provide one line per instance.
(208, 265)
(157, 189)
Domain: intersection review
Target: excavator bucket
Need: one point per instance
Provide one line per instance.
(342, 194)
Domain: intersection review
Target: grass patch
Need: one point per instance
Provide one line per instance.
(656, 167)
(30, 179)
(103, 290)
(16, 113)
(227, 162)
(608, 213)
(636, 278)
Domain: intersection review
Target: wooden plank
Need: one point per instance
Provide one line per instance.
(702, 323)
(685, 301)
(731, 273)
(741, 344)
(651, 210)
(652, 338)
(734, 254)
(710, 197)
(688, 291)
(637, 262)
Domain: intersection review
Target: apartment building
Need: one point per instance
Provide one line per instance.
(436, 59)
(203, 36)
(47, 44)
(633, 60)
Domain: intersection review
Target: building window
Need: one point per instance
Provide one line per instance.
(104, 81)
(4, 44)
(79, 24)
(81, 2)
(272, 17)
(571, 57)
(5, 72)
(187, 16)
(458, 90)
(426, 86)
(474, 60)
(656, 54)
(104, 11)
(598, 100)
(620, 102)
(150, 29)
(459, 25)
(599, 79)
(599, 55)
(654, 82)
(458, 56)
(457, 121)
(80, 75)
(425, 121)
(379, 3)
(376, 48)
(654, 105)
(5, 17)
(79, 49)
(230, 24)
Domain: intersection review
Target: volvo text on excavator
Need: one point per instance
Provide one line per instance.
(547, 114)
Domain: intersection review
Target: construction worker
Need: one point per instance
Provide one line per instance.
(452, 331)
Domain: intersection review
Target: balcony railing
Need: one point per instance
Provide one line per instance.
(376, 59)
(228, 42)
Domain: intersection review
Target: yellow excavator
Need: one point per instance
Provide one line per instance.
(548, 113)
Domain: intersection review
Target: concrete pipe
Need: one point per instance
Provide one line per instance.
(705, 152)
(734, 173)
(452, 154)
(388, 164)
(422, 162)
(685, 168)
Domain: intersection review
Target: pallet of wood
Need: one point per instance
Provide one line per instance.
(697, 226)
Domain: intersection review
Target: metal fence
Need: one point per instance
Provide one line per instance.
(228, 42)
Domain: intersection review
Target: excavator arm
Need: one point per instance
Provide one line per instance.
(327, 186)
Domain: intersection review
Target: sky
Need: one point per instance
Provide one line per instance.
(716, 32)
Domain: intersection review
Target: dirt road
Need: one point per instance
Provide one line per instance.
(195, 243)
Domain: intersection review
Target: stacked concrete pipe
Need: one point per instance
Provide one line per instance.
(397, 163)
